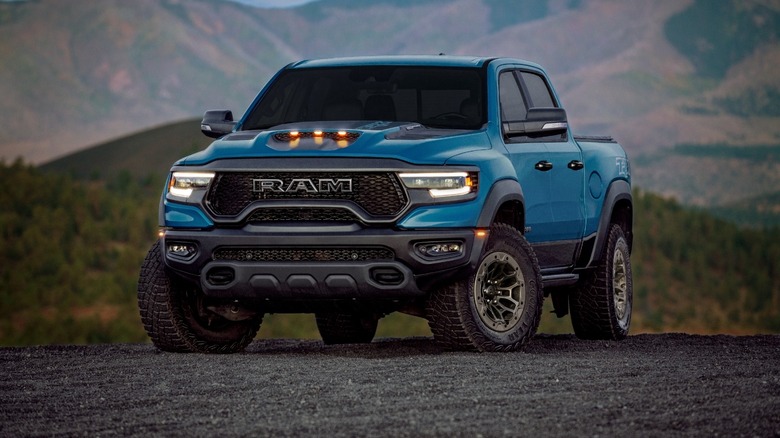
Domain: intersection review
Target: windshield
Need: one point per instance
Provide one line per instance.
(437, 97)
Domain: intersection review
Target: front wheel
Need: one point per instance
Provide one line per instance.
(176, 317)
(602, 303)
(496, 308)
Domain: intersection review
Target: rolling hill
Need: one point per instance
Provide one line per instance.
(143, 155)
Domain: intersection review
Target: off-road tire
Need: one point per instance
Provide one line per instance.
(601, 304)
(175, 317)
(462, 316)
(346, 328)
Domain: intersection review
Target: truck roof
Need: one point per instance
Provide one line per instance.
(411, 60)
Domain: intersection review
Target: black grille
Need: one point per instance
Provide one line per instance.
(302, 214)
(378, 193)
(304, 254)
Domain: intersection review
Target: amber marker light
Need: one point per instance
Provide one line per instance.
(317, 137)
(294, 134)
(341, 139)
(481, 233)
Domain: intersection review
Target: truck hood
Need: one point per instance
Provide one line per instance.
(410, 142)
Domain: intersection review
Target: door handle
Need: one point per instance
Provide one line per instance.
(576, 165)
(543, 166)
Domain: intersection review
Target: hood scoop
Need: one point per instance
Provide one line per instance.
(319, 140)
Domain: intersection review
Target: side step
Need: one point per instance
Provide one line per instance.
(558, 280)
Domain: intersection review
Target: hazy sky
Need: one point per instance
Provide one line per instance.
(258, 3)
(273, 3)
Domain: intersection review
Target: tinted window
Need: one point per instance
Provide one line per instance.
(513, 106)
(432, 96)
(539, 94)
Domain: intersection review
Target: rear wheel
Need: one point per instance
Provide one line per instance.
(176, 317)
(346, 328)
(602, 303)
(498, 307)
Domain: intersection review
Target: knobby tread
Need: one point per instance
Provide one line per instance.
(592, 302)
(161, 305)
(156, 308)
(451, 316)
(444, 318)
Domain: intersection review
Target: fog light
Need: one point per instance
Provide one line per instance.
(438, 249)
(183, 250)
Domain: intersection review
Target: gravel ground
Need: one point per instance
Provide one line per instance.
(647, 385)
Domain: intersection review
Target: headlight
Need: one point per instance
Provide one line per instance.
(183, 183)
(441, 184)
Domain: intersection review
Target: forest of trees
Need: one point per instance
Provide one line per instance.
(70, 251)
(69, 257)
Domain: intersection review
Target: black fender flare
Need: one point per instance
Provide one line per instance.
(502, 191)
(618, 190)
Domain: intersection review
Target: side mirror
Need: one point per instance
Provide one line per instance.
(217, 123)
(544, 121)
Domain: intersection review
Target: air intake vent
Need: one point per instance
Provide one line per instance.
(387, 276)
(220, 276)
(304, 254)
(302, 214)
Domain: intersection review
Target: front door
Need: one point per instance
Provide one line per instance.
(526, 157)
(550, 171)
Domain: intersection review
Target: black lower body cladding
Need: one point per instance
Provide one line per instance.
(293, 265)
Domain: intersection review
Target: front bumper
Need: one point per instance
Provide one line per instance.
(405, 274)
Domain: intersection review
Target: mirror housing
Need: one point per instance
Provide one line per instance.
(217, 123)
(544, 121)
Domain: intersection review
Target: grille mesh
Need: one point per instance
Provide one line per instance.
(302, 214)
(304, 254)
(378, 193)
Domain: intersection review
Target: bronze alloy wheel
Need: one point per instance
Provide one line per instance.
(499, 292)
(620, 288)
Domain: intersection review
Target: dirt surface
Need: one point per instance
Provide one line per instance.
(647, 385)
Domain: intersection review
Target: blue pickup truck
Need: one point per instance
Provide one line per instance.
(449, 188)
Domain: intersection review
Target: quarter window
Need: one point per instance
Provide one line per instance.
(539, 93)
(513, 107)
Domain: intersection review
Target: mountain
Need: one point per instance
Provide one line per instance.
(143, 155)
(79, 72)
(656, 75)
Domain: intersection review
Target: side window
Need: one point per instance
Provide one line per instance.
(539, 93)
(513, 106)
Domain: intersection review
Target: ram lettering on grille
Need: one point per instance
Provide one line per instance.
(322, 185)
